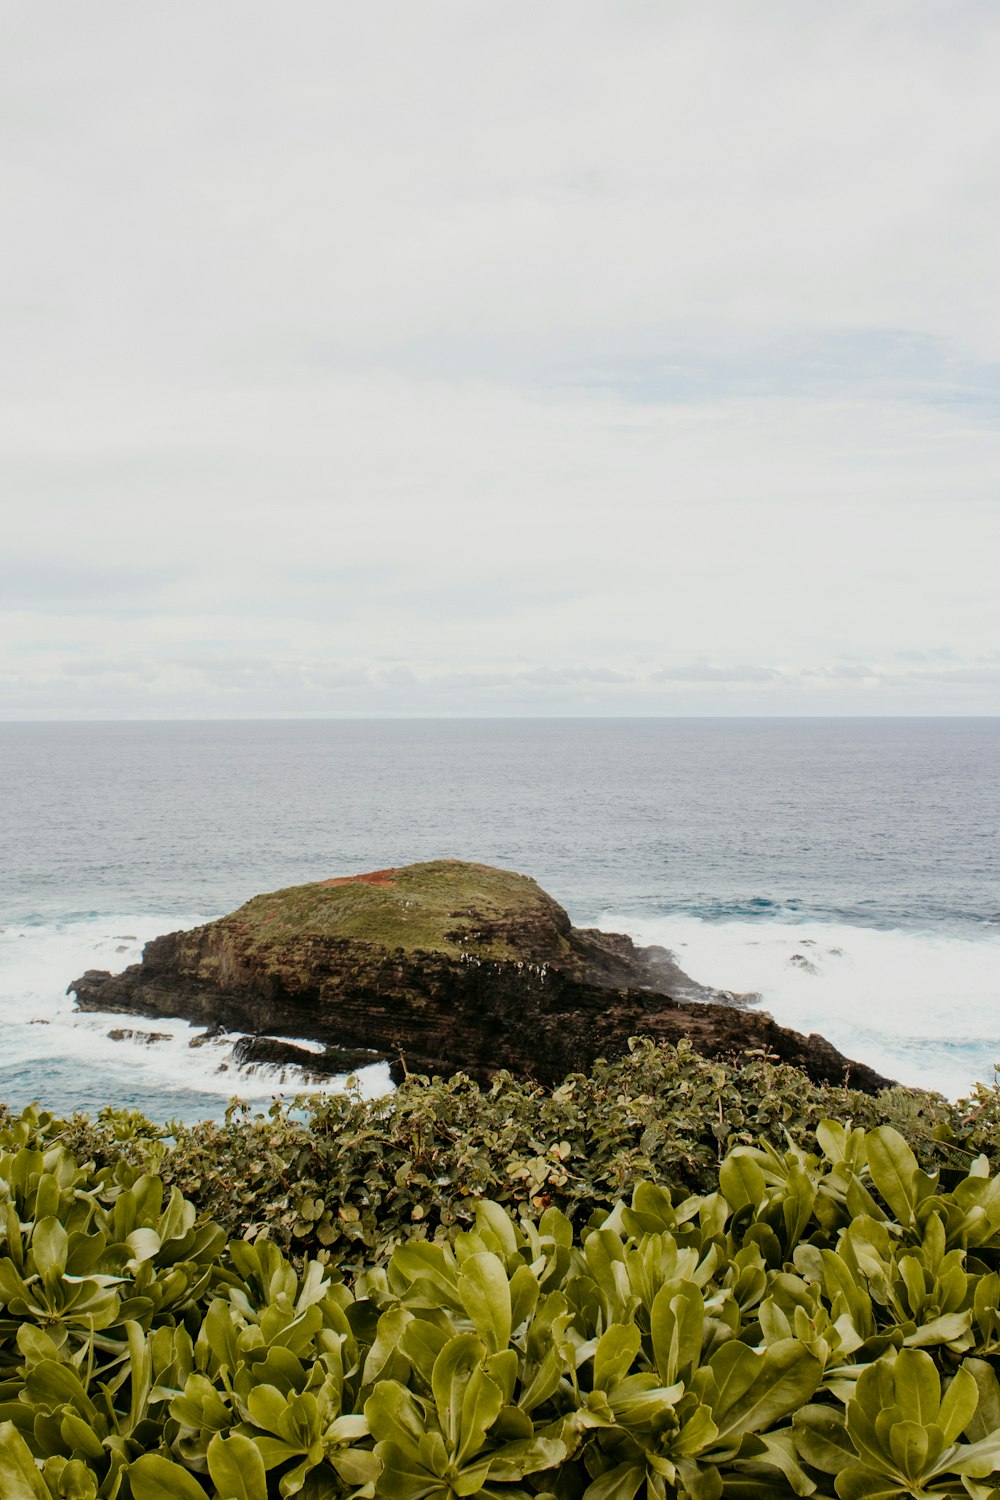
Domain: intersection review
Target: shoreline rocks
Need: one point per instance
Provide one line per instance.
(441, 967)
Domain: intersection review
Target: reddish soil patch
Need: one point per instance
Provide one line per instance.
(374, 877)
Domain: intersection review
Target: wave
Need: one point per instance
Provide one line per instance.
(72, 1060)
(921, 1006)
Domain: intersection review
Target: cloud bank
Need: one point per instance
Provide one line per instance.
(448, 359)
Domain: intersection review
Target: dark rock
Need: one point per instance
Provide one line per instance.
(442, 966)
(269, 1051)
(129, 1034)
(210, 1034)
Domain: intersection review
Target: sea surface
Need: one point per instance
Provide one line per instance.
(846, 869)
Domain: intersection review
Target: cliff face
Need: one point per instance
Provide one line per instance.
(441, 966)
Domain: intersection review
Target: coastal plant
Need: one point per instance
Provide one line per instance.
(818, 1317)
(345, 1179)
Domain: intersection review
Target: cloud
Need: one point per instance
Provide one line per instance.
(635, 359)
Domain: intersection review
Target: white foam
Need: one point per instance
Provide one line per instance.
(918, 1006)
(41, 1027)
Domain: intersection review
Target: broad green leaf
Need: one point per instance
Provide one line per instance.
(403, 1477)
(49, 1245)
(832, 1138)
(959, 1405)
(780, 1451)
(978, 1460)
(485, 1293)
(861, 1483)
(741, 1180)
(947, 1329)
(894, 1171)
(615, 1353)
(822, 1439)
(617, 1484)
(788, 1376)
(677, 1320)
(524, 1290)
(268, 1407)
(237, 1468)
(143, 1243)
(918, 1385)
(986, 1419)
(909, 1443)
(19, 1477)
(395, 1416)
(453, 1370)
(481, 1405)
(532, 1456)
(154, 1478)
(493, 1216)
(422, 1342)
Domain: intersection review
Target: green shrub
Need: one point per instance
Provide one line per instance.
(345, 1179)
(820, 1319)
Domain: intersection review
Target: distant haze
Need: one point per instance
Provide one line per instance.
(436, 357)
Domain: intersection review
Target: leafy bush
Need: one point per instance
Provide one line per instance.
(823, 1320)
(344, 1179)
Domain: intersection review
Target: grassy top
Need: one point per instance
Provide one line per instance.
(443, 905)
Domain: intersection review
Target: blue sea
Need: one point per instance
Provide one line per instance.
(848, 870)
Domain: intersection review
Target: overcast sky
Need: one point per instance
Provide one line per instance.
(495, 357)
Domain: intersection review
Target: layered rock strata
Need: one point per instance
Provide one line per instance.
(441, 967)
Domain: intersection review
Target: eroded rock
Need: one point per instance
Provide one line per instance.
(440, 967)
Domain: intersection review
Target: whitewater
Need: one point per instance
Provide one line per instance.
(846, 871)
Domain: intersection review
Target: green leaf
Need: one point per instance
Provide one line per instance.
(453, 1370)
(403, 1476)
(237, 1468)
(918, 1385)
(894, 1171)
(531, 1456)
(268, 1407)
(49, 1245)
(822, 1439)
(481, 1406)
(154, 1478)
(780, 1452)
(959, 1405)
(617, 1484)
(987, 1415)
(677, 1320)
(787, 1376)
(19, 1477)
(741, 1180)
(485, 1293)
(909, 1443)
(978, 1460)
(615, 1354)
(860, 1483)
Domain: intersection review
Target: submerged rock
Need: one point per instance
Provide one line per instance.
(268, 1051)
(438, 967)
(130, 1034)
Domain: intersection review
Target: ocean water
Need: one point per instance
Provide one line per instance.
(847, 870)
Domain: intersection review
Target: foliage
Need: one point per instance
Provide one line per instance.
(345, 1179)
(821, 1320)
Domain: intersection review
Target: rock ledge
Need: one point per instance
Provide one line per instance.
(439, 967)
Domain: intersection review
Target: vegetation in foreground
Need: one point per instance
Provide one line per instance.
(509, 1293)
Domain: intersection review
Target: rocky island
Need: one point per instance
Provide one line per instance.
(439, 967)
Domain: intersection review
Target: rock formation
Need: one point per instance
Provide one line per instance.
(440, 967)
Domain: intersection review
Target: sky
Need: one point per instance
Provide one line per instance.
(486, 357)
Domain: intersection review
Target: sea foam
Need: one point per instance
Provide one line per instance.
(66, 1058)
(920, 1007)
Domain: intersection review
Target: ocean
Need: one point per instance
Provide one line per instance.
(848, 870)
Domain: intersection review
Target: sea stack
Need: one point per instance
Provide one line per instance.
(441, 967)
